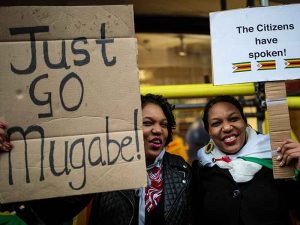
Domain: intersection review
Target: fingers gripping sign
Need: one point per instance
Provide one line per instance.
(5, 144)
(290, 152)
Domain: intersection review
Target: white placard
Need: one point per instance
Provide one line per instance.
(256, 44)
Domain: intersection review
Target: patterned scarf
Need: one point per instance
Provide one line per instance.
(141, 191)
(154, 190)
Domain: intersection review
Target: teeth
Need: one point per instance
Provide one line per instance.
(229, 139)
(156, 141)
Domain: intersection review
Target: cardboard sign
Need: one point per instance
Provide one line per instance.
(279, 124)
(256, 44)
(69, 91)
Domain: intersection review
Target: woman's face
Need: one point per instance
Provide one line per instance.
(226, 127)
(155, 131)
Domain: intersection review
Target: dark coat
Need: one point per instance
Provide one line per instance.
(218, 199)
(118, 207)
(53, 211)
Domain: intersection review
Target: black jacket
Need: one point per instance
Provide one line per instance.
(218, 199)
(53, 211)
(119, 207)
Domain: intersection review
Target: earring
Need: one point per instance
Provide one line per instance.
(209, 147)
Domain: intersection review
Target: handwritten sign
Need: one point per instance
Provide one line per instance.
(71, 100)
(256, 44)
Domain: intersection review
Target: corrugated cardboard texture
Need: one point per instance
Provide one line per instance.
(279, 124)
(67, 22)
(76, 102)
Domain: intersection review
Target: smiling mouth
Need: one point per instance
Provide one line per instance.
(156, 143)
(230, 140)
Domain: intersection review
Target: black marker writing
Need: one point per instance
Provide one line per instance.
(31, 31)
(77, 154)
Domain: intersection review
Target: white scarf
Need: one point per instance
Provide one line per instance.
(258, 146)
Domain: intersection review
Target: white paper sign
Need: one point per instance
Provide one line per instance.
(256, 44)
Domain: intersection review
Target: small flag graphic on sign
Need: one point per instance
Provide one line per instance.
(292, 63)
(266, 65)
(241, 67)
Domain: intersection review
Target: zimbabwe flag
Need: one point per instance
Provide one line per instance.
(241, 67)
(292, 63)
(266, 65)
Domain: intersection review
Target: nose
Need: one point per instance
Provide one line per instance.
(226, 127)
(157, 129)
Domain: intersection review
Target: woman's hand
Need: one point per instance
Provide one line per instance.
(5, 144)
(290, 151)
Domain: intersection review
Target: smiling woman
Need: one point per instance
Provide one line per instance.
(162, 167)
(233, 179)
(155, 131)
(158, 125)
(227, 127)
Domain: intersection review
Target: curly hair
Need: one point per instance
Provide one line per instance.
(221, 98)
(167, 109)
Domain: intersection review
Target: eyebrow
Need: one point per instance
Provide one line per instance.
(151, 118)
(231, 114)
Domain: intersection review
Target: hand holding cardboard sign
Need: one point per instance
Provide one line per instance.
(290, 151)
(5, 144)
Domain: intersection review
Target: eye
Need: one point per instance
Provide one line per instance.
(215, 124)
(234, 119)
(164, 125)
(147, 123)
